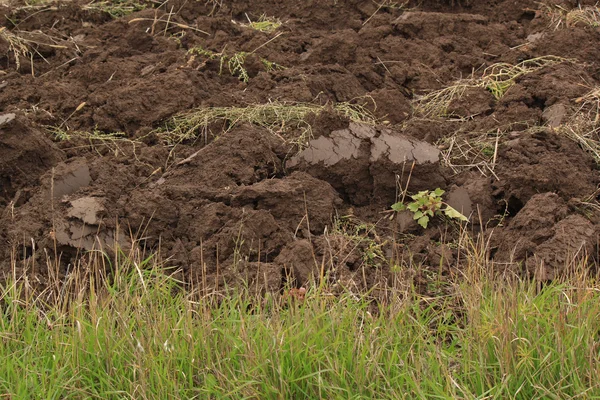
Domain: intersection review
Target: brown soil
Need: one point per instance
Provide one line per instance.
(246, 204)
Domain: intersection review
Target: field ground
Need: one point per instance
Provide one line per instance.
(210, 175)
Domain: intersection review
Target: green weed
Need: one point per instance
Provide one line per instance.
(426, 204)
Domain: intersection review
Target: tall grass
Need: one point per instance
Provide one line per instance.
(134, 333)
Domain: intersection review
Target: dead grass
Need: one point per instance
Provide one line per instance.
(583, 125)
(469, 149)
(277, 117)
(466, 149)
(116, 142)
(24, 45)
(497, 78)
(264, 24)
(561, 17)
(116, 8)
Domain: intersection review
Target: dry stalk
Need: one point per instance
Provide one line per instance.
(24, 44)
(497, 78)
(276, 117)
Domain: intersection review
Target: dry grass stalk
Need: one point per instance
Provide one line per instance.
(466, 150)
(24, 44)
(263, 24)
(497, 78)
(277, 117)
(116, 9)
(583, 126)
(115, 142)
(560, 17)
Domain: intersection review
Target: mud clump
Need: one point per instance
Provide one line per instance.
(548, 236)
(362, 162)
(72, 181)
(25, 154)
(543, 162)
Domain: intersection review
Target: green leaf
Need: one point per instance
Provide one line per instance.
(452, 213)
(423, 221)
(398, 207)
(438, 192)
(418, 214)
(414, 207)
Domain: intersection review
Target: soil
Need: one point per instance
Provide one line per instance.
(246, 204)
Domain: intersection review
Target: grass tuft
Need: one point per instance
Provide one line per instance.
(235, 63)
(115, 8)
(264, 24)
(23, 45)
(114, 141)
(560, 16)
(277, 117)
(497, 78)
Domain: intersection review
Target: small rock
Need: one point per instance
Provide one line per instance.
(554, 115)
(6, 118)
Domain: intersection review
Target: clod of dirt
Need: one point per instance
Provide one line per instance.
(72, 178)
(475, 101)
(298, 261)
(429, 25)
(478, 188)
(299, 200)
(25, 154)
(341, 258)
(539, 163)
(362, 161)
(573, 241)
(534, 37)
(544, 231)
(78, 235)
(86, 209)
(459, 199)
(244, 156)
(554, 115)
(6, 118)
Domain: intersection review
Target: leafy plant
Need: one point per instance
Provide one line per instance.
(427, 204)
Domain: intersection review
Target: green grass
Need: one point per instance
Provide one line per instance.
(137, 335)
(264, 24)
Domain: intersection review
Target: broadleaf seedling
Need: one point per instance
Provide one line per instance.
(427, 204)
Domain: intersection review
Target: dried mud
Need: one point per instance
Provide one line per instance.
(246, 204)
